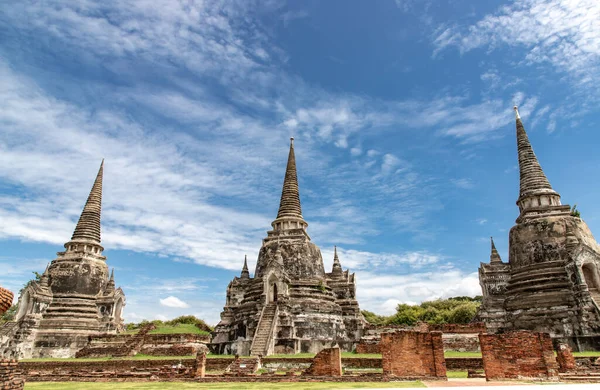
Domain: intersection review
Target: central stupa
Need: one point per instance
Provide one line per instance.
(291, 305)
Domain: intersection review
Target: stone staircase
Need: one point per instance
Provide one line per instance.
(264, 331)
(243, 366)
(133, 345)
(595, 295)
(580, 376)
(7, 327)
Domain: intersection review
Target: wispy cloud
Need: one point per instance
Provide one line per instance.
(563, 33)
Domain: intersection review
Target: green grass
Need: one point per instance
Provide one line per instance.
(220, 386)
(456, 374)
(179, 328)
(455, 354)
(587, 353)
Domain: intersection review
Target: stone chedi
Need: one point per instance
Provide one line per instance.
(291, 304)
(551, 282)
(73, 299)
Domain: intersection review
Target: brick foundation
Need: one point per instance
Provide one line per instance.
(368, 348)
(328, 362)
(10, 376)
(413, 354)
(565, 358)
(518, 355)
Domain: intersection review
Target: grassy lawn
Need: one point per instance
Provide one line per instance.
(221, 386)
(452, 354)
(587, 353)
(179, 328)
(456, 374)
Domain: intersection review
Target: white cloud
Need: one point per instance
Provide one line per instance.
(463, 183)
(172, 301)
(565, 33)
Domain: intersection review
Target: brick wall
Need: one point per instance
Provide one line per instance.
(517, 355)
(474, 327)
(6, 299)
(565, 358)
(328, 362)
(10, 376)
(413, 354)
(368, 348)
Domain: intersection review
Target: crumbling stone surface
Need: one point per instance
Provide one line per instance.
(75, 297)
(328, 362)
(551, 282)
(243, 366)
(518, 355)
(565, 358)
(10, 376)
(412, 354)
(290, 305)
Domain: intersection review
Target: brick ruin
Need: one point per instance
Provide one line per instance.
(411, 354)
(74, 298)
(290, 305)
(565, 358)
(328, 362)
(518, 355)
(456, 337)
(551, 282)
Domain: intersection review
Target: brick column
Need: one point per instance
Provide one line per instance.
(413, 354)
(199, 368)
(518, 355)
(328, 362)
(565, 358)
(10, 377)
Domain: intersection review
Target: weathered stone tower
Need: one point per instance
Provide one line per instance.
(291, 304)
(74, 298)
(551, 282)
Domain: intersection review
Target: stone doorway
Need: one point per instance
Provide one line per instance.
(274, 290)
(590, 274)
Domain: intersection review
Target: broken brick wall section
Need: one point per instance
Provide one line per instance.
(199, 368)
(328, 362)
(518, 355)
(565, 358)
(413, 354)
(10, 376)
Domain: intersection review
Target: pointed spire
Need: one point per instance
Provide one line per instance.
(44, 280)
(110, 285)
(245, 272)
(88, 227)
(533, 179)
(495, 256)
(289, 206)
(337, 266)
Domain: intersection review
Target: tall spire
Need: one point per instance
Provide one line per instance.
(110, 285)
(533, 179)
(289, 206)
(495, 256)
(88, 227)
(337, 266)
(245, 272)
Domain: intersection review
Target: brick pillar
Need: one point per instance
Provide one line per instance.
(199, 368)
(518, 355)
(6, 299)
(413, 354)
(10, 377)
(328, 362)
(565, 358)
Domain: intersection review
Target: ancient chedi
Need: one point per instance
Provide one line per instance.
(74, 298)
(551, 281)
(291, 305)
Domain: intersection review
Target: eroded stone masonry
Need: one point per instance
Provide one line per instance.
(10, 376)
(551, 282)
(291, 304)
(75, 297)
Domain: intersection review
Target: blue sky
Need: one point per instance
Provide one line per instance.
(401, 111)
